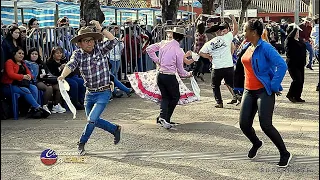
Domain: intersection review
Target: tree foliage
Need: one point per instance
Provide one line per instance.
(169, 10)
(90, 10)
(244, 6)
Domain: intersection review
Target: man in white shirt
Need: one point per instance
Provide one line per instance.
(218, 50)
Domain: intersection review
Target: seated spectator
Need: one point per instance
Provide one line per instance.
(18, 75)
(55, 64)
(121, 86)
(43, 81)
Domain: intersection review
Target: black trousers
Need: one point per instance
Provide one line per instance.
(296, 87)
(169, 88)
(259, 100)
(217, 75)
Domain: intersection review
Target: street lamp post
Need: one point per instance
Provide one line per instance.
(296, 11)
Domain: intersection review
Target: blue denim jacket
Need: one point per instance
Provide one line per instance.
(268, 66)
(34, 68)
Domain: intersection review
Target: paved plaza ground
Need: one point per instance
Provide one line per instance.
(208, 145)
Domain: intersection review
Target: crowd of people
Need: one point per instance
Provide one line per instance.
(41, 71)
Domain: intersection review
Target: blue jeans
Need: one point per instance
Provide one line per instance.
(77, 89)
(310, 50)
(115, 67)
(119, 84)
(95, 103)
(30, 94)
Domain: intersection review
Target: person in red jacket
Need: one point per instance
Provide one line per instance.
(15, 70)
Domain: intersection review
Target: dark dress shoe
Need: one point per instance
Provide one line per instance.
(201, 78)
(232, 101)
(309, 67)
(131, 92)
(117, 134)
(117, 94)
(292, 99)
(299, 100)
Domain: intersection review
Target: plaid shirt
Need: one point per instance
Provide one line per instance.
(93, 67)
(200, 40)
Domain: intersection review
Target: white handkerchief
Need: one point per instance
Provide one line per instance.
(195, 56)
(64, 87)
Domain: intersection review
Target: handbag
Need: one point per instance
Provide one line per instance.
(50, 79)
(22, 83)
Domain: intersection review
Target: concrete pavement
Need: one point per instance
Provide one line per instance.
(207, 145)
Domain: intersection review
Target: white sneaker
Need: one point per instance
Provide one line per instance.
(56, 109)
(61, 108)
(45, 107)
(165, 124)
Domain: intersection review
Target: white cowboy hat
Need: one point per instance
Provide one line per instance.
(86, 32)
(295, 26)
(177, 30)
(309, 19)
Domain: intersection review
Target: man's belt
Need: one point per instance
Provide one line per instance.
(99, 89)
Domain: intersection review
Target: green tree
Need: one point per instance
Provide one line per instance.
(169, 10)
(90, 10)
(244, 7)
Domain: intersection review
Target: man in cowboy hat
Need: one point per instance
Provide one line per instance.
(170, 62)
(218, 51)
(91, 57)
(306, 27)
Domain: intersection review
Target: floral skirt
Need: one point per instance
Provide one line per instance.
(145, 86)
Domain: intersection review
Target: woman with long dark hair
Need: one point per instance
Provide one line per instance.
(296, 54)
(11, 42)
(264, 70)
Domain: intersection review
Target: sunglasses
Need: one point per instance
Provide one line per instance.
(24, 31)
(36, 24)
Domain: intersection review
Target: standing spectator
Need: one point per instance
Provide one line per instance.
(200, 39)
(296, 60)
(264, 35)
(23, 35)
(115, 55)
(11, 42)
(283, 33)
(306, 27)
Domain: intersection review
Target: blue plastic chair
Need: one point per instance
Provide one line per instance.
(40, 97)
(15, 106)
(15, 100)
